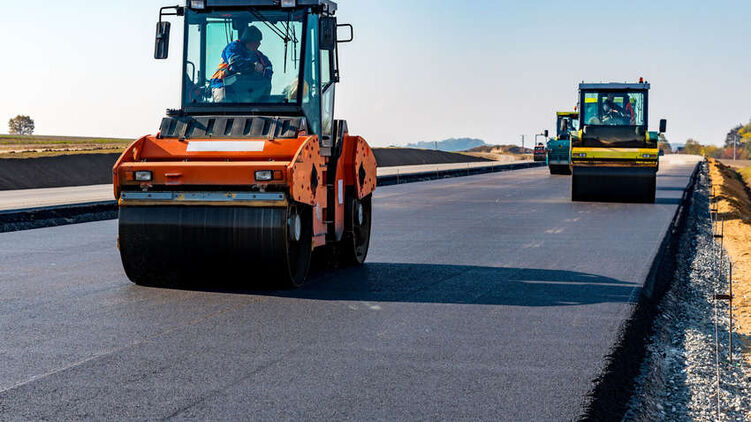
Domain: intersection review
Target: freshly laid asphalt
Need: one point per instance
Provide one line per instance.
(489, 297)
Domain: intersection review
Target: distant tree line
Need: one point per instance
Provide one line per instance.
(453, 144)
(739, 135)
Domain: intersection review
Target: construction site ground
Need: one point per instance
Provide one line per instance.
(731, 190)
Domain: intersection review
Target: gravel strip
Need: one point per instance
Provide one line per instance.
(678, 379)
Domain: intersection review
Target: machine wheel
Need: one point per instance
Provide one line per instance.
(559, 169)
(614, 185)
(353, 248)
(299, 247)
(178, 246)
(650, 190)
(576, 189)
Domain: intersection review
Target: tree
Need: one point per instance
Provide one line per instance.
(745, 132)
(695, 148)
(692, 147)
(21, 125)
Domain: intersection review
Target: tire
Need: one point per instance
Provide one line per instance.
(576, 190)
(299, 248)
(650, 193)
(353, 248)
(560, 170)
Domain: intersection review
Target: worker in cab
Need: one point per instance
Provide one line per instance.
(628, 111)
(612, 113)
(610, 105)
(565, 134)
(244, 73)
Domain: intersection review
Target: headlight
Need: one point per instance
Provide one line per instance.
(143, 176)
(264, 175)
(579, 155)
(648, 156)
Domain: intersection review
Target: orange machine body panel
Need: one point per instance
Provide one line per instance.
(194, 163)
(298, 167)
(359, 166)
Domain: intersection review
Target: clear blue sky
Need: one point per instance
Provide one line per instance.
(418, 69)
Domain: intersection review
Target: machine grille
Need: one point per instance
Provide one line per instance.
(186, 127)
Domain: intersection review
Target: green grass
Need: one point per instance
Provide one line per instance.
(18, 146)
(34, 154)
(9, 140)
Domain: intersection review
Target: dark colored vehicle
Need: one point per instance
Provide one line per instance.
(541, 153)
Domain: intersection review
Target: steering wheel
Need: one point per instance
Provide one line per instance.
(248, 87)
(613, 117)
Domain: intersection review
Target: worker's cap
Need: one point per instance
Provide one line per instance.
(252, 34)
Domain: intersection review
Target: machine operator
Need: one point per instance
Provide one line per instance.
(244, 74)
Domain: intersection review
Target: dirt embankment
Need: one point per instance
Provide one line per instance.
(392, 157)
(734, 206)
(94, 169)
(58, 171)
(501, 152)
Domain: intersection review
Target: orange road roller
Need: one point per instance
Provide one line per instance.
(252, 173)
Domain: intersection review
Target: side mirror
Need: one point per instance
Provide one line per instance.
(327, 35)
(663, 126)
(161, 48)
(545, 133)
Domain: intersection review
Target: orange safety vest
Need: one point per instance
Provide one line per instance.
(223, 68)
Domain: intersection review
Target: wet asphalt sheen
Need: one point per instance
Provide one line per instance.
(490, 297)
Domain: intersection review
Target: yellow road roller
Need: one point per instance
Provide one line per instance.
(614, 157)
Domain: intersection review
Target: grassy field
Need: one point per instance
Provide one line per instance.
(16, 146)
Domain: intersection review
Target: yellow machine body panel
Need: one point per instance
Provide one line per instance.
(621, 157)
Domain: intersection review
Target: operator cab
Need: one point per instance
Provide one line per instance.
(567, 123)
(290, 71)
(615, 107)
(614, 115)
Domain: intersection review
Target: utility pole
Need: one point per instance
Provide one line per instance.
(522, 144)
(735, 142)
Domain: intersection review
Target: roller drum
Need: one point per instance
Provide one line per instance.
(617, 184)
(560, 169)
(248, 246)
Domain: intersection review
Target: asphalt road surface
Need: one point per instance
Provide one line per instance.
(490, 297)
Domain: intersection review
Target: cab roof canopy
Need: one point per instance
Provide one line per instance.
(614, 86)
(329, 5)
